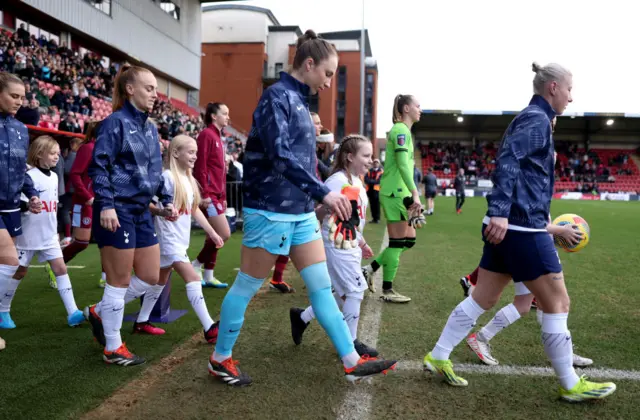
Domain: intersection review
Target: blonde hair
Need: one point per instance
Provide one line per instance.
(180, 198)
(349, 144)
(552, 72)
(7, 79)
(126, 76)
(39, 147)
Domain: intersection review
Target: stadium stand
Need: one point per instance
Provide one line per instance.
(63, 85)
(596, 170)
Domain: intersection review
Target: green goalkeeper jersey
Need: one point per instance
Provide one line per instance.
(397, 179)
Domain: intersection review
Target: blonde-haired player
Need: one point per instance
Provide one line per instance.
(344, 263)
(40, 231)
(174, 236)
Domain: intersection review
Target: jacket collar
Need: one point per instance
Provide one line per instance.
(542, 103)
(292, 83)
(138, 116)
(215, 128)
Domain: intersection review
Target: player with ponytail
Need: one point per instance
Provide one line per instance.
(399, 197)
(280, 189)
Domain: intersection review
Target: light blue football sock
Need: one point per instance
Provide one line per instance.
(316, 277)
(232, 312)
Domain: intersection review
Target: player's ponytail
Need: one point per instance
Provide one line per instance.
(126, 76)
(310, 45)
(348, 146)
(398, 106)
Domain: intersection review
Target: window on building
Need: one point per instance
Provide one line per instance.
(342, 78)
(279, 68)
(103, 5)
(368, 129)
(340, 128)
(169, 7)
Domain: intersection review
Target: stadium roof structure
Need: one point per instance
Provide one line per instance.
(350, 35)
(488, 122)
(246, 7)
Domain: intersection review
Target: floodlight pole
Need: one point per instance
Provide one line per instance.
(362, 71)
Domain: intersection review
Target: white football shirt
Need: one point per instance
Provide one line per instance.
(173, 237)
(40, 231)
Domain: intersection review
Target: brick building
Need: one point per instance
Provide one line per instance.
(244, 48)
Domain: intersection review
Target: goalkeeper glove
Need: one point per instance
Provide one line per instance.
(343, 233)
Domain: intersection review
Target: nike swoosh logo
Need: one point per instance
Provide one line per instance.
(233, 331)
(17, 229)
(133, 132)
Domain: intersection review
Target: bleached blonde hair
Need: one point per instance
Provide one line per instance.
(180, 198)
(552, 72)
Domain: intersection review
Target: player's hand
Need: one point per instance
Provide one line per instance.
(35, 205)
(109, 220)
(367, 252)
(169, 212)
(205, 203)
(416, 206)
(571, 234)
(217, 240)
(89, 202)
(339, 204)
(414, 211)
(496, 229)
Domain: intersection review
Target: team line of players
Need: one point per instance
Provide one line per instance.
(280, 189)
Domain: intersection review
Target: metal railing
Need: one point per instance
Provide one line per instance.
(234, 198)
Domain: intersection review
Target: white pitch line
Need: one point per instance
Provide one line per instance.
(357, 402)
(593, 373)
(69, 266)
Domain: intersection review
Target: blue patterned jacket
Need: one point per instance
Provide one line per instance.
(14, 144)
(280, 156)
(524, 176)
(126, 169)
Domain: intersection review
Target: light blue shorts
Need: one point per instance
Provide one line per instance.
(277, 237)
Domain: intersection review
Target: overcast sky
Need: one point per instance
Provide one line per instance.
(476, 55)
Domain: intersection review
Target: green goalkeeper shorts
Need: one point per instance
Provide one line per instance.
(394, 208)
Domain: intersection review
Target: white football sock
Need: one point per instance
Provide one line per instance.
(503, 318)
(196, 298)
(136, 289)
(559, 348)
(66, 293)
(112, 312)
(9, 292)
(351, 312)
(208, 276)
(149, 301)
(219, 358)
(6, 274)
(458, 326)
(307, 315)
(539, 316)
(351, 359)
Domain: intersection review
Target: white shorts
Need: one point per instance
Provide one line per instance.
(26, 255)
(345, 270)
(168, 260)
(521, 289)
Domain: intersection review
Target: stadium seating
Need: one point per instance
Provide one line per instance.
(623, 183)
